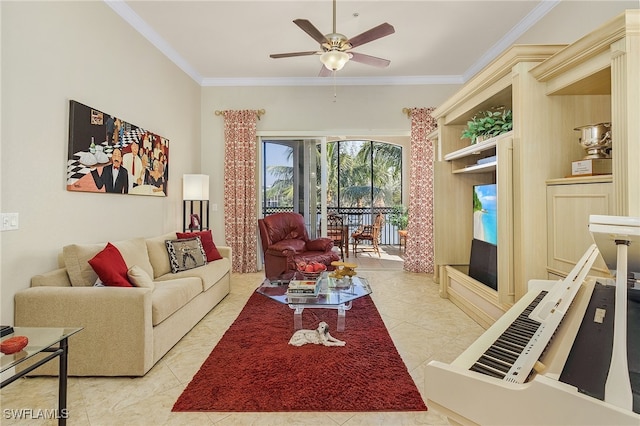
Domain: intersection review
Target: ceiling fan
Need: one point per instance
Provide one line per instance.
(336, 48)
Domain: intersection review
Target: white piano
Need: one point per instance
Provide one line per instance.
(559, 355)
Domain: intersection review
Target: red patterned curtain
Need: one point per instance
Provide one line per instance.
(240, 217)
(419, 256)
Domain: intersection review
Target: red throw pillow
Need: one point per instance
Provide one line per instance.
(208, 245)
(111, 267)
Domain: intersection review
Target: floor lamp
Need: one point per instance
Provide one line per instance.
(195, 194)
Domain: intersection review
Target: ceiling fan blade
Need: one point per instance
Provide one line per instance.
(289, 55)
(372, 34)
(308, 28)
(325, 72)
(369, 60)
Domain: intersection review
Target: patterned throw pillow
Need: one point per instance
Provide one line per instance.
(185, 253)
(207, 243)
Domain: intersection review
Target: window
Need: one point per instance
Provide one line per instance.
(278, 171)
(364, 178)
(364, 174)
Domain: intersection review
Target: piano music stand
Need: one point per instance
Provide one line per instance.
(623, 234)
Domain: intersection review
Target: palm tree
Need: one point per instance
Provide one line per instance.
(387, 155)
(357, 195)
(356, 164)
(282, 188)
(383, 163)
(332, 173)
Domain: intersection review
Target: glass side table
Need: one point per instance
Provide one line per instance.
(42, 340)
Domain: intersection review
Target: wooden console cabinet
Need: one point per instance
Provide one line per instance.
(570, 201)
(551, 90)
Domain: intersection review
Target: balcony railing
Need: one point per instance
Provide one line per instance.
(355, 217)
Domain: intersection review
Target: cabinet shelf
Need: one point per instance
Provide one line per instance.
(465, 160)
(477, 148)
(477, 168)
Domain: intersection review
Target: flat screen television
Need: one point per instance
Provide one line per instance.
(485, 213)
(483, 263)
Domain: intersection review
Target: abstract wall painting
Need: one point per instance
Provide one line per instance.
(107, 154)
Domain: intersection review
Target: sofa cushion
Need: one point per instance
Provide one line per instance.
(171, 295)
(110, 267)
(185, 253)
(76, 259)
(139, 278)
(209, 274)
(158, 254)
(207, 243)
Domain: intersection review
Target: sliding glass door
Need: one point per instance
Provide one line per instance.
(355, 179)
(290, 173)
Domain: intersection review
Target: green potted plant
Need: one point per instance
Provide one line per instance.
(399, 217)
(488, 124)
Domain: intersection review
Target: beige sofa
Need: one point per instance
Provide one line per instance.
(126, 329)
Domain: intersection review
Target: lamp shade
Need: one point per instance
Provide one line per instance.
(334, 60)
(195, 187)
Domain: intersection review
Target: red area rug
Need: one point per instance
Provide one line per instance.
(254, 369)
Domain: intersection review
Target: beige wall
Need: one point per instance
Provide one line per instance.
(56, 51)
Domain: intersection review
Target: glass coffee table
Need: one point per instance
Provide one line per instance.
(333, 294)
(42, 340)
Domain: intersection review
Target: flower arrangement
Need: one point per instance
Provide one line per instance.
(488, 124)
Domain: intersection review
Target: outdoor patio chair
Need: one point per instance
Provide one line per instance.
(337, 231)
(369, 233)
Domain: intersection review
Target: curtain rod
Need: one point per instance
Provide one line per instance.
(258, 112)
(407, 111)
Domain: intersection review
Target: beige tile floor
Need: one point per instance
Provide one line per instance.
(423, 326)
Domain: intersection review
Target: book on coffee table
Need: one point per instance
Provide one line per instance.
(304, 287)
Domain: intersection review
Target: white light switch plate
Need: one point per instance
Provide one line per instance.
(9, 221)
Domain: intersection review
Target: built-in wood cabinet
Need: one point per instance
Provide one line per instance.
(596, 80)
(551, 90)
(483, 163)
(506, 82)
(570, 201)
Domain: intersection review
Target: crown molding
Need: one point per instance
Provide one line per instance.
(124, 11)
(337, 81)
(510, 37)
(133, 19)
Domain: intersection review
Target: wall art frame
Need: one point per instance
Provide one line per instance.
(109, 155)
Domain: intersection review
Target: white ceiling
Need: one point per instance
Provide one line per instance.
(435, 42)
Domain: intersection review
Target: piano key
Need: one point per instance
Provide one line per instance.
(498, 359)
(487, 371)
(495, 363)
(500, 353)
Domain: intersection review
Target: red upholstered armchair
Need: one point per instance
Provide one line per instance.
(285, 241)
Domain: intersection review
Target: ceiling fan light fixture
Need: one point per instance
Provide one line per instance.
(334, 60)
